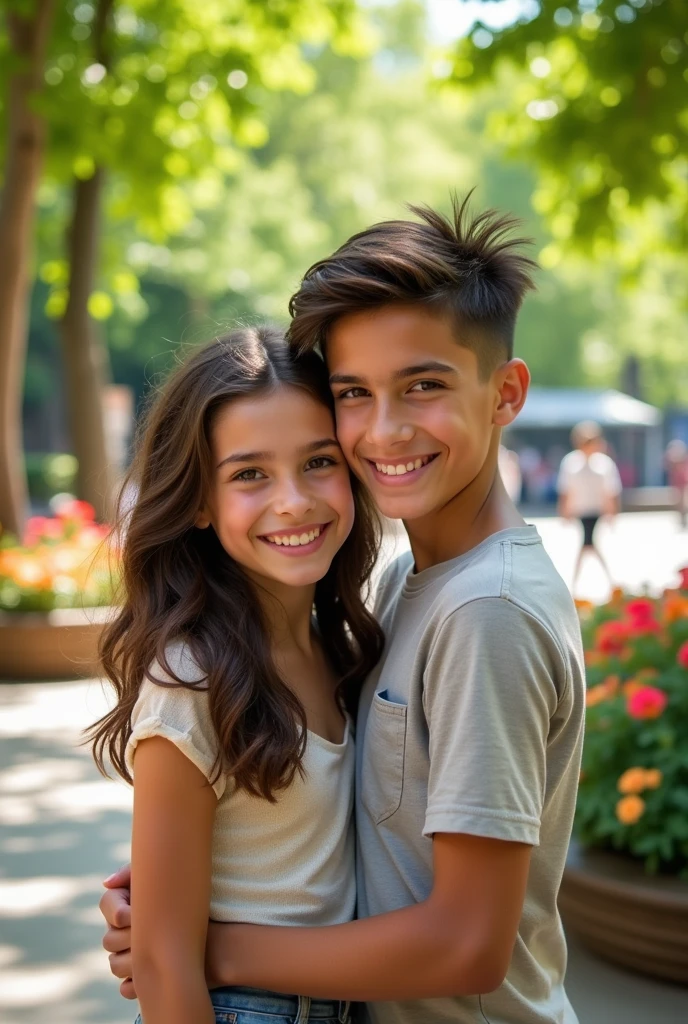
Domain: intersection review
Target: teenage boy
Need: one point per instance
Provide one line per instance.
(469, 731)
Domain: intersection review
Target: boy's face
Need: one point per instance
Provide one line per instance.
(414, 419)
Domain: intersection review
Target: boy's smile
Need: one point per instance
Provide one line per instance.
(414, 418)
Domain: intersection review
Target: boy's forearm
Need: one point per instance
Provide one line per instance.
(411, 953)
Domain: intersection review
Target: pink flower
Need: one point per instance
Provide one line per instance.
(610, 637)
(76, 511)
(683, 573)
(640, 610)
(647, 702)
(682, 655)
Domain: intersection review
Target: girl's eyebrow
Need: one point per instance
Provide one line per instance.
(307, 449)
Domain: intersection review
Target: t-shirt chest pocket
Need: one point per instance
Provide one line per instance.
(383, 757)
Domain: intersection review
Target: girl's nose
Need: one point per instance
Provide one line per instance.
(294, 499)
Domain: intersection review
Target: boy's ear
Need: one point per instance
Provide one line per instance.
(513, 380)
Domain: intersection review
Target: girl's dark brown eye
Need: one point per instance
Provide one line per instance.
(248, 475)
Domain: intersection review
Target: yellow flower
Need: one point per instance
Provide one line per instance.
(630, 809)
(653, 778)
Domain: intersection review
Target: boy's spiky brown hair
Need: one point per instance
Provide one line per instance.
(466, 267)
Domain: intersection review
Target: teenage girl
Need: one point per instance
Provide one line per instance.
(238, 650)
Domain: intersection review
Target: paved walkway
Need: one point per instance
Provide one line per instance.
(62, 828)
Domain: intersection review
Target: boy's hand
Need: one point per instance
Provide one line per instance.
(115, 908)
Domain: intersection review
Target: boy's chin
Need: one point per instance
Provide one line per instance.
(406, 508)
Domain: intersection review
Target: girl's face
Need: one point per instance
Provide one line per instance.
(280, 501)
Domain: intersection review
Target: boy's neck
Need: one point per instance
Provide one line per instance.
(480, 510)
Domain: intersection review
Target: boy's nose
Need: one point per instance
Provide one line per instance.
(387, 428)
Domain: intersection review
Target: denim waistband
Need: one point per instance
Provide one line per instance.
(237, 997)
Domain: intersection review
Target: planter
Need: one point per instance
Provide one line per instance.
(60, 644)
(628, 917)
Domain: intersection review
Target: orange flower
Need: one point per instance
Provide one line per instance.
(649, 672)
(632, 781)
(593, 658)
(675, 608)
(611, 685)
(653, 778)
(632, 686)
(617, 596)
(630, 809)
(595, 695)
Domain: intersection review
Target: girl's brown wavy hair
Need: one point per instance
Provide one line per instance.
(179, 584)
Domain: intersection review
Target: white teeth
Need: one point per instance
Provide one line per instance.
(401, 468)
(295, 540)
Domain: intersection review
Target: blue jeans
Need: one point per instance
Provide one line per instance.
(238, 1005)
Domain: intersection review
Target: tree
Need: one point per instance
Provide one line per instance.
(28, 28)
(603, 113)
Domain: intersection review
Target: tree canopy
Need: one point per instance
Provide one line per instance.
(602, 111)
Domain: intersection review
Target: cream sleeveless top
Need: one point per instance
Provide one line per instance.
(285, 863)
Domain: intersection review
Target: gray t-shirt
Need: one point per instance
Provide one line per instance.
(473, 722)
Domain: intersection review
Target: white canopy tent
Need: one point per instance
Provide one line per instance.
(560, 409)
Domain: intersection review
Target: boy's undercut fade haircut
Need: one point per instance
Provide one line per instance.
(466, 267)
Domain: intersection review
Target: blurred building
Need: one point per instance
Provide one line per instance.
(541, 436)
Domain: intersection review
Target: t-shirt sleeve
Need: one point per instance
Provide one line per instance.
(564, 476)
(182, 716)
(492, 684)
(612, 478)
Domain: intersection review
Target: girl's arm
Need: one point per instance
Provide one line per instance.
(174, 808)
(458, 941)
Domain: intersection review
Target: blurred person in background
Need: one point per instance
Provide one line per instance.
(589, 487)
(676, 466)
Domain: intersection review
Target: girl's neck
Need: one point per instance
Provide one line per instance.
(288, 611)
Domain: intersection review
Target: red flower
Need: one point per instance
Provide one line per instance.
(682, 655)
(640, 610)
(683, 573)
(611, 636)
(76, 511)
(647, 702)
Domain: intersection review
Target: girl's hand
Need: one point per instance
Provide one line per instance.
(115, 907)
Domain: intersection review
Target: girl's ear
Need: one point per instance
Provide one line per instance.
(202, 520)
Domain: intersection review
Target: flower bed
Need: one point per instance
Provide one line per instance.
(62, 563)
(54, 591)
(634, 782)
(624, 890)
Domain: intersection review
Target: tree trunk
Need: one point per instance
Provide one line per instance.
(25, 144)
(86, 363)
(85, 355)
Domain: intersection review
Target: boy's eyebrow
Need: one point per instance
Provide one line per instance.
(407, 371)
(314, 446)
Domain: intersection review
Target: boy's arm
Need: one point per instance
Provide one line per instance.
(457, 942)
(174, 808)
(489, 694)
